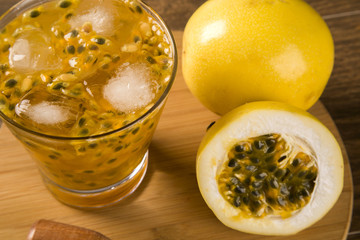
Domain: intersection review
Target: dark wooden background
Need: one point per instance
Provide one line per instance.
(342, 94)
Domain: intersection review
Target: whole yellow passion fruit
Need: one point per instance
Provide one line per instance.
(238, 51)
(269, 168)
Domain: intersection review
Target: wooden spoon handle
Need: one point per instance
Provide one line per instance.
(50, 230)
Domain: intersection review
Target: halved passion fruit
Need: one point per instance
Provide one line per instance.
(269, 168)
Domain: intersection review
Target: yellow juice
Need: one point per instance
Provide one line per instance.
(82, 86)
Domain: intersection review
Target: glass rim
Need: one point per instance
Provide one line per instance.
(160, 100)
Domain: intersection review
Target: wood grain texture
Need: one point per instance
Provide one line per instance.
(167, 205)
(342, 95)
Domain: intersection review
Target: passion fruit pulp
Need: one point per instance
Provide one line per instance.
(269, 168)
(266, 175)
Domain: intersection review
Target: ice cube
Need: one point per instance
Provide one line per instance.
(130, 89)
(44, 113)
(50, 112)
(99, 13)
(32, 52)
(105, 16)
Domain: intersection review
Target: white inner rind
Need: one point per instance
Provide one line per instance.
(329, 182)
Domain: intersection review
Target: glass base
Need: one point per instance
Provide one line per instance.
(102, 197)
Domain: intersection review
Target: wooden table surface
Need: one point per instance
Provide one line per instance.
(342, 94)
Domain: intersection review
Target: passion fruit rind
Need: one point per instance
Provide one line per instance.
(266, 175)
(298, 135)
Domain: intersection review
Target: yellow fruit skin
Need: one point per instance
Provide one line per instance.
(237, 51)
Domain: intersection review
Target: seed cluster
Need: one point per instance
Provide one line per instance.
(265, 175)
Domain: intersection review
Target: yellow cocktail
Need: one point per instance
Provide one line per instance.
(82, 86)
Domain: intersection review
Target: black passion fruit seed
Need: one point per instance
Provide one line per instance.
(84, 132)
(11, 107)
(267, 181)
(34, 13)
(118, 148)
(65, 4)
(58, 86)
(53, 156)
(250, 168)
(232, 162)
(135, 131)
(82, 122)
(151, 60)
(240, 156)
(258, 144)
(74, 33)
(137, 39)
(281, 158)
(296, 162)
(99, 40)
(70, 49)
(4, 67)
(111, 160)
(10, 83)
(138, 9)
(270, 149)
(93, 47)
(255, 160)
(116, 59)
(93, 145)
(69, 15)
(261, 175)
(80, 48)
(240, 189)
(272, 168)
(256, 184)
(239, 148)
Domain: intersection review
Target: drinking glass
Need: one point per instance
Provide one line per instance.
(93, 171)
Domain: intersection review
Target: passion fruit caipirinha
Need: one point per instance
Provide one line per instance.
(269, 168)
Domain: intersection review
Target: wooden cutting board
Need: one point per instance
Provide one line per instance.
(168, 204)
